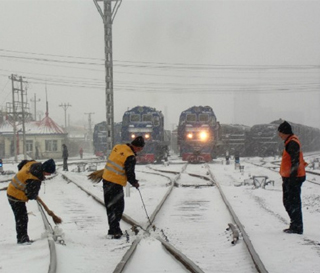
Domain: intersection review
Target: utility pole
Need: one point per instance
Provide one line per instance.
(23, 121)
(89, 130)
(107, 16)
(34, 100)
(14, 119)
(15, 103)
(65, 107)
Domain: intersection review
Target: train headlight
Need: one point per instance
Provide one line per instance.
(133, 136)
(147, 136)
(189, 136)
(203, 136)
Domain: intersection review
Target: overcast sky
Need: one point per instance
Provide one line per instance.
(251, 61)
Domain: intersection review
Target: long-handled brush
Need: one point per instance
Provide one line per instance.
(55, 218)
(96, 176)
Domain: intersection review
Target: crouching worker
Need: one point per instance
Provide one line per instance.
(25, 186)
(118, 170)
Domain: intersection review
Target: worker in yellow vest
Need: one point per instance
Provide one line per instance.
(25, 186)
(119, 169)
(292, 171)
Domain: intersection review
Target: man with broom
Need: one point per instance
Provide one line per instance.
(118, 170)
(25, 186)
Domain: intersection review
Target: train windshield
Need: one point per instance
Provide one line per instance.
(191, 118)
(147, 118)
(203, 118)
(134, 118)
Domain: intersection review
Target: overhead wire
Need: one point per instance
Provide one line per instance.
(262, 84)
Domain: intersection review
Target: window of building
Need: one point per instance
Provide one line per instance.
(29, 146)
(51, 145)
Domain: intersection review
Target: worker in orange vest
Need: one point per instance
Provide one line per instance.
(292, 171)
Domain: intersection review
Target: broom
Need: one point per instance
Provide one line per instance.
(96, 176)
(55, 218)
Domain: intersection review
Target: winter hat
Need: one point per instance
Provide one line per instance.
(138, 141)
(49, 166)
(285, 128)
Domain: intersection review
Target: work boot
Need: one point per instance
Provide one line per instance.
(26, 242)
(290, 231)
(117, 236)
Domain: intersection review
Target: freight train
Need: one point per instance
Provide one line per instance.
(198, 133)
(232, 139)
(149, 123)
(263, 139)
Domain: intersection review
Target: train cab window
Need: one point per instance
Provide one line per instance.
(102, 128)
(147, 118)
(191, 118)
(134, 118)
(204, 118)
(156, 121)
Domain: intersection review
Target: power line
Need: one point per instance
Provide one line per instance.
(157, 65)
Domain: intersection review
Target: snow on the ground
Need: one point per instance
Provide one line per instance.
(85, 225)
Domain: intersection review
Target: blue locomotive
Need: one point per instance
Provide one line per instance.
(198, 133)
(149, 123)
(100, 138)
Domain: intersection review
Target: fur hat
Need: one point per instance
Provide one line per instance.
(49, 166)
(138, 142)
(285, 128)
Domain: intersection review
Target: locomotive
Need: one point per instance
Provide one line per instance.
(198, 132)
(100, 138)
(149, 123)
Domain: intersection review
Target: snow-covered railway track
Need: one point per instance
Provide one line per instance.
(84, 225)
(84, 231)
(263, 215)
(312, 176)
(182, 262)
(204, 237)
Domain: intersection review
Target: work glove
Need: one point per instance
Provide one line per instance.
(136, 185)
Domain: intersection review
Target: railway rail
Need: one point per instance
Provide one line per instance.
(170, 193)
(151, 230)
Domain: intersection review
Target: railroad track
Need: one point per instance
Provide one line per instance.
(171, 194)
(175, 186)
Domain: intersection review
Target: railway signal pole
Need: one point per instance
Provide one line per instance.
(107, 14)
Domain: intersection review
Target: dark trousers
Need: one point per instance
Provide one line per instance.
(114, 202)
(21, 216)
(65, 164)
(292, 201)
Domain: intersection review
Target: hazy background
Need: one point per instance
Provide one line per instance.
(251, 61)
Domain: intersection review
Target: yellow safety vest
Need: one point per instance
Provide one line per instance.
(17, 185)
(114, 169)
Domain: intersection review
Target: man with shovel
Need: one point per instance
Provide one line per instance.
(25, 186)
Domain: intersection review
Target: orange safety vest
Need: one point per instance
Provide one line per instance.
(285, 167)
(114, 169)
(17, 185)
